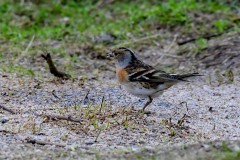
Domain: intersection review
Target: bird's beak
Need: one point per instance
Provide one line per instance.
(109, 55)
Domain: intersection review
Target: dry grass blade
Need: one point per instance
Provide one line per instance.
(8, 109)
(7, 132)
(40, 142)
(181, 120)
(60, 117)
(137, 40)
(101, 104)
(99, 132)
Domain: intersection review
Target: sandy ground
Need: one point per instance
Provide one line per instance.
(221, 122)
(111, 122)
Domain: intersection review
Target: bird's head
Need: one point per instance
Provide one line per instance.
(122, 55)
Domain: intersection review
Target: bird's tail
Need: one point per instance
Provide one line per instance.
(183, 76)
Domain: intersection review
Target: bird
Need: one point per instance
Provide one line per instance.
(140, 79)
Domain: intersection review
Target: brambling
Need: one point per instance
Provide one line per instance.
(141, 79)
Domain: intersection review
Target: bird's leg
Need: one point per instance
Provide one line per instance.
(148, 102)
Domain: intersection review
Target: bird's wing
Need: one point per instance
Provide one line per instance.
(152, 75)
(143, 72)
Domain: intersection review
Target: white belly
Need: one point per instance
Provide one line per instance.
(139, 91)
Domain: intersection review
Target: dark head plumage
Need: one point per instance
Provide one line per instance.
(122, 51)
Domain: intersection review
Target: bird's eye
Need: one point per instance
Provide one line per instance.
(116, 54)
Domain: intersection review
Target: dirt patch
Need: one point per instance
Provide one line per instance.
(223, 54)
(110, 118)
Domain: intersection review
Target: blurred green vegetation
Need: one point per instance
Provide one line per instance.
(226, 153)
(83, 20)
(74, 27)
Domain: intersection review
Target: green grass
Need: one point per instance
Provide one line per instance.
(17, 69)
(227, 153)
(82, 20)
(76, 24)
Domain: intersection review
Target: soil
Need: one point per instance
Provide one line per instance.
(199, 114)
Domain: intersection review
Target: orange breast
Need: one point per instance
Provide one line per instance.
(122, 75)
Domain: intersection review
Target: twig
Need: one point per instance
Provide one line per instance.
(52, 67)
(40, 142)
(60, 117)
(45, 109)
(205, 37)
(196, 38)
(210, 109)
(8, 109)
(54, 94)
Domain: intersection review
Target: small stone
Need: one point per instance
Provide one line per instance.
(4, 120)
(89, 143)
(105, 38)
